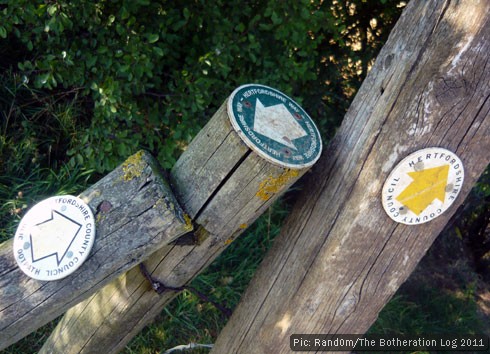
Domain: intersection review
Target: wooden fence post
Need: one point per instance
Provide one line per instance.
(339, 257)
(255, 146)
(135, 212)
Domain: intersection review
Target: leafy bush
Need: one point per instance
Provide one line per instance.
(155, 71)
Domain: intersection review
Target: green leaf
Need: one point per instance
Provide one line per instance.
(275, 18)
(108, 146)
(240, 27)
(158, 51)
(42, 79)
(122, 150)
(79, 159)
(102, 50)
(178, 25)
(90, 61)
(153, 37)
(124, 13)
(52, 9)
(120, 29)
(3, 32)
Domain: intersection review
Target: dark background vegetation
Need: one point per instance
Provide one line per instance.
(84, 84)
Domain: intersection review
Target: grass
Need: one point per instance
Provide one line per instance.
(432, 311)
(35, 130)
(18, 194)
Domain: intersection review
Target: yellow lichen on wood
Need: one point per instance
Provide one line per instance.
(273, 185)
(168, 204)
(133, 166)
(188, 222)
(99, 218)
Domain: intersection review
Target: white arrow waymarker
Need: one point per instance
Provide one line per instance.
(277, 123)
(54, 238)
(274, 126)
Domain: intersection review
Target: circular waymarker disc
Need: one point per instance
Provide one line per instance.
(274, 126)
(54, 238)
(423, 186)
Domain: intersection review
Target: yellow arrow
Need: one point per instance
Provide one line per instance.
(427, 185)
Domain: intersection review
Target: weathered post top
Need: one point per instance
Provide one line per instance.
(257, 128)
(274, 126)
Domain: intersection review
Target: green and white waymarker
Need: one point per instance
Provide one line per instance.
(274, 126)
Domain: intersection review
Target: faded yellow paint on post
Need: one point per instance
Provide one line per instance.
(427, 185)
(272, 185)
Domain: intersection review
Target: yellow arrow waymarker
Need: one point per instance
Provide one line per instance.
(412, 187)
(427, 185)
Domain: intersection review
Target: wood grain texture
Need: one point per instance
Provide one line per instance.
(213, 154)
(224, 187)
(339, 257)
(140, 215)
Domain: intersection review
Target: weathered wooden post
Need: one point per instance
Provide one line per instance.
(256, 145)
(135, 212)
(340, 257)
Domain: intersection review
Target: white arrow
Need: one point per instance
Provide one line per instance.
(53, 237)
(277, 123)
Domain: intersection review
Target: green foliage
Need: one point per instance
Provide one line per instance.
(154, 71)
(34, 131)
(18, 194)
(430, 312)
